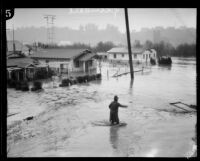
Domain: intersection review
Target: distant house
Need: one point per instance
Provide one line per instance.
(102, 55)
(120, 54)
(16, 49)
(67, 61)
(21, 69)
(148, 54)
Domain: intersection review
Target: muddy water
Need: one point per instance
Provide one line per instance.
(63, 116)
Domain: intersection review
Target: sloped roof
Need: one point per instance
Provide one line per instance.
(19, 62)
(118, 50)
(58, 53)
(102, 53)
(87, 57)
(18, 46)
(125, 50)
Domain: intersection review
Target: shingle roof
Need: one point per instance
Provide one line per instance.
(102, 53)
(19, 62)
(118, 50)
(125, 50)
(87, 57)
(58, 53)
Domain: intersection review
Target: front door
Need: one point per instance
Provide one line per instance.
(86, 66)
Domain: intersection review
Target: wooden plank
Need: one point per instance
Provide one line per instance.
(12, 114)
(181, 108)
(190, 106)
(126, 73)
(174, 103)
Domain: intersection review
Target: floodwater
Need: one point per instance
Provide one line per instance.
(63, 116)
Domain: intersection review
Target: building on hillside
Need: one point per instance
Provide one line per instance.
(67, 61)
(120, 54)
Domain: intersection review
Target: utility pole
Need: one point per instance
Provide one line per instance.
(7, 40)
(129, 44)
(13, 41)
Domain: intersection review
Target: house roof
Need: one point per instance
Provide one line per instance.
(19, 62)
(87, 57)
(58, 53)
(18, 46)
(102, 53)
(118, 50)
(125, 50)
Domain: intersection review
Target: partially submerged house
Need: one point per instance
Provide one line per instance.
(120, 54)
(67, 61)
(139, 55)
(22, 69)
(148, 54)
(102, 55)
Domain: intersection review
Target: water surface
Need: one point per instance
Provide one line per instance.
(63, 116)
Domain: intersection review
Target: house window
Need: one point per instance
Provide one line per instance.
(122, 55)
(135, 55)
(77, 64)
(90, 63)
(115, 56)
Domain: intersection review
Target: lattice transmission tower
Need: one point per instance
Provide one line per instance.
(50, 28)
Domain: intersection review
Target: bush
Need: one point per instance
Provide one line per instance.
(18, 85)
(24, 86)
(80, 79)
(36, 86)
(98, 76)
(65, 82)
(86, 78)
(43, 74)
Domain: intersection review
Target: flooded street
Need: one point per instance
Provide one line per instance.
(63, 116)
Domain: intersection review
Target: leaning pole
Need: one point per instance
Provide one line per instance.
(129, 44)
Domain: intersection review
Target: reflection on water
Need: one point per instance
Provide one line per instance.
(152, 153)
(131, 83)
(114, 137)
(62, 115)
(165, 67)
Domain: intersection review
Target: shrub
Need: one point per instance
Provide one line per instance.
(37, 85)
(24, 86)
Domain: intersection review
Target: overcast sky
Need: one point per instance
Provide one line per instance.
(73, 18)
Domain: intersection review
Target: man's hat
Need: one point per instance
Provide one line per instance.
(115, 97)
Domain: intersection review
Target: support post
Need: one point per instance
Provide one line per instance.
(17, 75)
(129, 44)
(84, 67)
(25, 74)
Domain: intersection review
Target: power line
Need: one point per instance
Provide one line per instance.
(50, 28)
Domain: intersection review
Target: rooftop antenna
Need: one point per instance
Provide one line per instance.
(50, 28)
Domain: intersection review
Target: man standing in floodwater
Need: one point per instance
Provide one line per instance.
(114, 110)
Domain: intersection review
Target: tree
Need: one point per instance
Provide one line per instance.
(103, 46)
(137, 44)
(148, 44)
